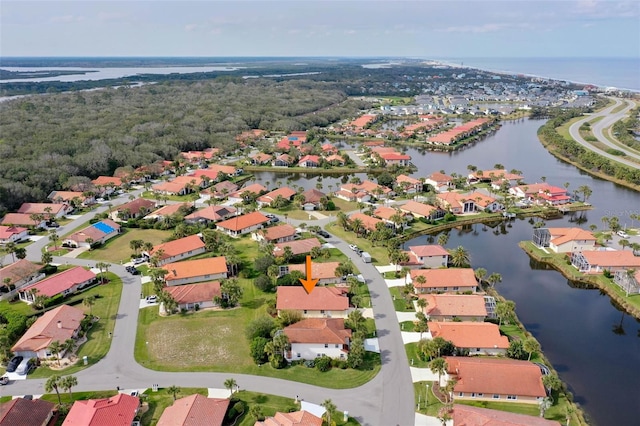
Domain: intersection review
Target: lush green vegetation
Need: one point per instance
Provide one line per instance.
(118, 249)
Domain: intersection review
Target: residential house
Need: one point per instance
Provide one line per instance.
(439, 181)
(495, 379)
(564, 240)
(493, 176)
(408, 184)
(275, 234)
(221, 189)
(247, 193)
(58, 324)
(449, 280)
(322, 302)
(13, 234)
(71, 197)
(479, 338)
(243, 224)
(260, 158)
(283, 160)
(429, 256)
(139, 207)
(335, 160)
(297, 247)
(251, 135)
(23, 220)
(200, 157)
(119, 410)
(328, 149)
(314, 337)
(458, 307)
(284, 192)
(216, 172)
(48, 210)
(296, 418)
(195, 410)
(312, 199)
(541, 193)
(176, 250)
(367, 187)
(421, 210)
(106, 185)
(169, 210)
(456, 203)
(211, 214)
(181, 185)
(188, 296)
(388, 214)
(353, 196)
(595, 262)
(325, 272)
(467, 415)
(395, 159)
(362, 121)
(195, 271)
(368, 222)
(628, 280)
(64, 283)
(458, 133)
(97, 233)
(485, 203)
(26, 412)
(17, 275)
(309, 161)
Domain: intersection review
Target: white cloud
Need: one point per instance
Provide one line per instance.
(190, 27)
(66, 19)
(486, 28)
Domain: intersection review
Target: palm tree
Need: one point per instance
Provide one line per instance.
(256, 412)
(531, 345)
(56, 347)
(438, 365)
(173, 390)
(422, 303)
(89, 301)
(421, 280)
(494, 278)
(480, 274)
(330, 407)
(67, 383)
(46, 258)
(68, 345)
(102, 266)
(230, 384)
(54, 238)
(443, 239)
(53, 384)
(459, 257)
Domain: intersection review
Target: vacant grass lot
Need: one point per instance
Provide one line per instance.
(378, 254)
(117, 249)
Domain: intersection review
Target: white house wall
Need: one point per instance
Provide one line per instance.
(314, 350)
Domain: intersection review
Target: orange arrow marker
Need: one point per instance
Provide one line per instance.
(309, 283)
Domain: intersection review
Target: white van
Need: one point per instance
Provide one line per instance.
(24, 367)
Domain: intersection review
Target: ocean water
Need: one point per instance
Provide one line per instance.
(623, 73)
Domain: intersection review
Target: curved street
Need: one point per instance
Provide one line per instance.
(386, 400)
(597, 128)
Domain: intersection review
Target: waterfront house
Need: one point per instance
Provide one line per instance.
(309, 161)
(176, 250)
(195, 271)
(243, 224)
(194, 410)
(58, 324)
(362, 121)
(494, 175)
(421, 210)
(458, 307)
(495, 379)
(628, 280)
(335, 160)
(260, 158)
(408, 184)
(314, 337)
(322, 302)
(479, 338)
(216, 172)
(541, 193)
(284, 192)
(188, 296)
(467, 415)
(429, 256)
(439, 181)
(119, 410)
(395, 159)
(456, 202)
(564, 240)
(449, 280)
(283, 160)
(595, 262)
(485, 203)
(64, 283)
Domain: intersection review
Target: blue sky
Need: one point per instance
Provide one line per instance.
(419, 28)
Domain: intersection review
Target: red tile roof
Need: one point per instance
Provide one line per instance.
(496, 376)
(212, 171)
(7, 231)
(195, 410)
(320, 270)
(363, 120)
(451, 277)
(119, 410)
(194, 293)
(285, 192)
(321, 298)
(418, 208)
(564, 235)
(612, 258)
(367, 221)
(107, 181)
(41, 208)
(168, 210)
(25, 412)
(244, 221)
(195, 268)
(313, 196)
(429, 250)
(274, 233)
(394, 156)
(58, 283)
(297, 246)
(296, 418)
(404, 178)
(213, 213)
(450, 305)
(470, 334)
(467, 415)
(318, 330)
(18, 271)
(18, 219)
(179, 246)
(45, 330)
(136, 206)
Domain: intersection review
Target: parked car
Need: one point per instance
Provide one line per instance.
(4, 380)
(274, 220)
(25, 367)
(353, 247)
(152, 299)
(132, 270)
(324, 234)
(13, 364)
(139, 260)
(622, 234)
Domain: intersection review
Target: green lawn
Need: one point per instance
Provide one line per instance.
(184, 198)
(399, 301)
(291, 212)
(555, 412)
(378, 254)
(412, 354)
(431, 406)
(117, 249)
(98, 343)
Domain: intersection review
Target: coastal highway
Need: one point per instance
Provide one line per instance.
(597, 128)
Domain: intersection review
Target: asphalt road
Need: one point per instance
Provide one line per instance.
(598, 128)
(386, 400)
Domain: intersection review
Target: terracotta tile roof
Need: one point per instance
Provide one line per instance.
(261, 157)
(417, 208)
(7, 231)
(394, 156)
(167, 210)
(320, 270)
(65, 195)
(367, 221)
(404, 178)
(335, 157)
(467, 415)
(244, 221)
(285, 192)
(310, 158)
(363, 120)
(384, 212)
(58, 283)
(39, 208)
(119, 410)
(45, 330)
(25, 412)
(615, 258)
(93, 232)
(496, 376)
(107, 181)
(297, 246)
(373, 143)
(296, 418)
(470, 334)
(451, 277)
(18, 271)
(136, 206)
(453, 199)
(276, 232)
(321, 298)
(480, 199)
(449, 305)
(313, 196)
(213, 213)
(18, 219)
(195, 268)
(173, 187)
(440, 177)
(495, 174)
(195, 410)
(212, 171)
(194, 293)
(564, 235)
(318, 330)
(225, 184)
(383, 149)
(177, 247)
(429, 250)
